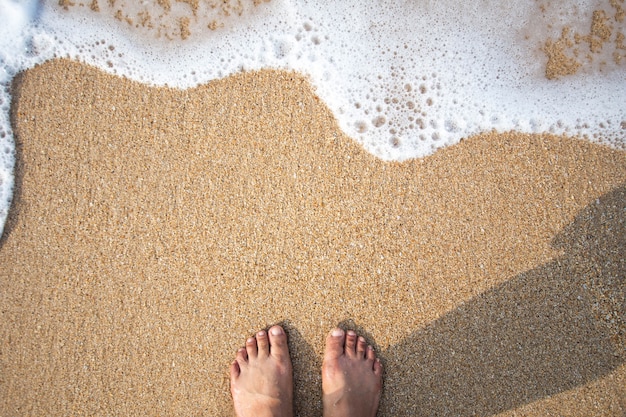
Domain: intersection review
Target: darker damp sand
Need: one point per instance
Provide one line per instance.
(153, 230)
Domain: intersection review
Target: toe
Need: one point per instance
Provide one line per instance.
(370, 354)
(251, 347)
(334, 344)
(361, 347)
(263, 343)
(242, 356)
(351, 343)
(378, 367)
(235, 370)
(278, 343)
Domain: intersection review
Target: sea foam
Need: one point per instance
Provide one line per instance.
(403, 78)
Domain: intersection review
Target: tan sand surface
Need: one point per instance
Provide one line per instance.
(153, 230)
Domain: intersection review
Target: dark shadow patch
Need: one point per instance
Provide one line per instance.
(534, 336)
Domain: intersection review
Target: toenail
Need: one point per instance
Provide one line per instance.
(351, 333)
(337, 332)
(276, 331)
(370, 347)
(250, 340)
(361, 339)
(261, 333)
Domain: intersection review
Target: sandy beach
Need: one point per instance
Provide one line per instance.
(152, 230)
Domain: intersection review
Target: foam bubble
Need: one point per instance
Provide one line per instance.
(403, 78)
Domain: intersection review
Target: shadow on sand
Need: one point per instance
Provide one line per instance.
(534, 336)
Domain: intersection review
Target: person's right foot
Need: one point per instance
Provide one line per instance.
(351, 376)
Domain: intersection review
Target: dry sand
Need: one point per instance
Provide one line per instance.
(153, 230)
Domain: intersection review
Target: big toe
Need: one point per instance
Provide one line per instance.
(278, 343)
(334, 344)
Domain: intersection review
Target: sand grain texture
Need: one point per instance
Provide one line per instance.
(154, 229)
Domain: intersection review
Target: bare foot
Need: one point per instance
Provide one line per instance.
(351, 376)
(261, 380)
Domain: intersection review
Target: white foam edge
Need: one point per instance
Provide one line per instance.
(478, 73)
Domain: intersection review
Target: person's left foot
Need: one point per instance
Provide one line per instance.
(261, 380)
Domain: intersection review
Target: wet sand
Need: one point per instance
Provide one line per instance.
(153, 230)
